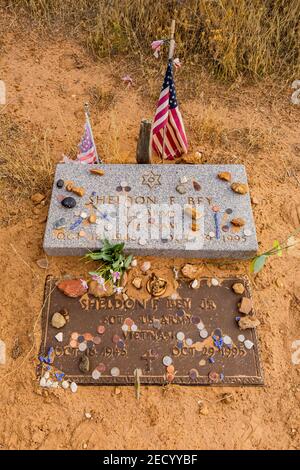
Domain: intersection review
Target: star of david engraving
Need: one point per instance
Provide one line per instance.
(151, 179)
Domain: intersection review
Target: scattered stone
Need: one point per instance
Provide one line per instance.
(58, 320)
(92, 219)
(137, 282)
(69, 185)
(248, 344)
(73, 387)
(195, 284)
(59, 337)
(134, 263)
(203, 408)
(214, 282)
(183, 180)
(60, 183)
(191, 271)
(117, 391)
(238, 222)
(248, 322)
(2, 353)
(72, 287)
(239, 188)
(241, 338)
(97, 171)
(238, 288)
(197, 186)
(181, 189)
(43, 382)
(225, 176)
(60, 223)
(88, 415)
(254, 201)
(145, 266)
(84, 364)
(42, 263)
(68, 202)
(245, 306)
(247, 232)
(37, 198)
(79, 191)
(28, 223)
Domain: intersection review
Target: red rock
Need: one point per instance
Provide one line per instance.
(72, 287)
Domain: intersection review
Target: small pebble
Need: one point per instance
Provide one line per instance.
(247, 232)
(183, 180)
(134, 263)
(73, 387)
(146, 266)
(200, 326)
(241, 338)
(134, 327)
(227, 340)
(115, 372)
(204, 334)
(96, 374)
(189, 341)
(88, 415)
(167, 361)
(195, 284)
(82, 347)
(59, 337)
(83, 215)
(180, 336)
(65, 384)
(214, 282)
(212, 234)
(43, 382)
(248, 344)
(142, 241)
(60, 183)
(181, 189)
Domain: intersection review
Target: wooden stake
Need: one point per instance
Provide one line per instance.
(171, 53)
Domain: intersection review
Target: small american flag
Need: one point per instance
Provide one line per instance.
(168, 121)
(88, 153)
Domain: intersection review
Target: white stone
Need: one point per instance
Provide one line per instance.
(65, 384)
(73, 387)
(108, 226)
(183, 180)
(204, 334)
(200, 325)
(189, 341)
(247, 232)
(59, 337)
(227, 340)
(146, 266)
(134, 327)
(47, 375)
(214, 282)
(96, 374)
(195, 284)
(82, 347)
(115, 372)
(241, 338)
(88, 415)
(248, 344)
(123, 184)
(134, 263)
(2, 352)
(83, 215)
(49, 383)
(142, 241)
(43, 382)
(167, 361)
(125, 327)
(212, 234)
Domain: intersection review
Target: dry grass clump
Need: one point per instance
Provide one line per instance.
(25, 169)
(229, 37)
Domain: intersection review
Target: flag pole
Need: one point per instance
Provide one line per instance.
(87, 117)
(171, 53)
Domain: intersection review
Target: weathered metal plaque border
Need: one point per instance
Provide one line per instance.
(254, 379)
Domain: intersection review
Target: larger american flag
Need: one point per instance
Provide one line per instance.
(168, 121)
(87, 148)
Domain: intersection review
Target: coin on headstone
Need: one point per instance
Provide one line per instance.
(101, 367)
(96, 374)
(204, 334)
(200, 326)
(214, 282)
(82, 347)
(227, 340)
(115, 371)
(101, 329)
(167, 361)
(180, 336)
(189, 341)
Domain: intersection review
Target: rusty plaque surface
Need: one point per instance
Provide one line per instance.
(192, 340)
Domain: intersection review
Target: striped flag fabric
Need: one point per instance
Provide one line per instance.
(87, 148)
(168, 121)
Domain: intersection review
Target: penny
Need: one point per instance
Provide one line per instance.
(121, 344)
(88, 336)
(82, 347)
(200, 325)
(101, 329)
(195, 320)
(225, 228)
(180, 336)
(228, 211)
(193, 374)
(73, 343)
(101, 367)
(241, 338)
(119, 189)
(115, 371)
(97, 339)
(74, 335)
(96, 374)
(167, 360)
(128, 321)
(213, 376)
(204, 334)
(180, 312)
(171, 369)
(170, 377)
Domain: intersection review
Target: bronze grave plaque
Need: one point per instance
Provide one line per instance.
(192, 340)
